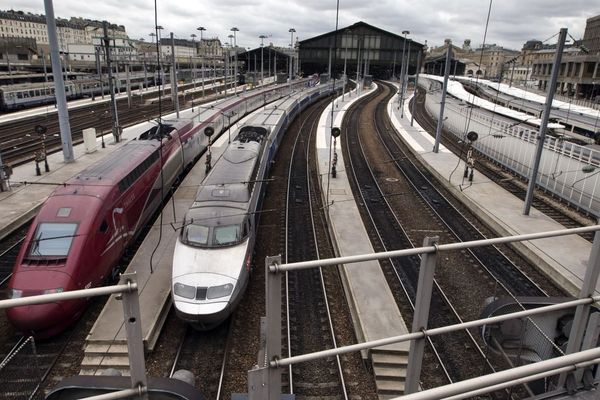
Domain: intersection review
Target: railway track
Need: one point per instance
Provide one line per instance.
(479, 275)
(271, 240)
(451, 355)
(309, 319)
(29, 367)
(559, 211)
(19, 142)
(205, 354)
(9, 250)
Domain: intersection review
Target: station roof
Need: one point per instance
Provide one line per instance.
(355, 26)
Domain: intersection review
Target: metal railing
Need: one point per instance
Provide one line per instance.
(567, 170)
(264, 381)
(128, 290)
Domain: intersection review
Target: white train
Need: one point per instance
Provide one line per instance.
(213, 253)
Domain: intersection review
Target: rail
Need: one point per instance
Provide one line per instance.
(264, 381)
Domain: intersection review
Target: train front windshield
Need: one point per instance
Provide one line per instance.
(214, 227)
(52, 239)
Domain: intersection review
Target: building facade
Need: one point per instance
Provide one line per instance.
(375, 51)
(579, 72)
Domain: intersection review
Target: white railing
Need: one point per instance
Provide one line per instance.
(568, 170)
(264, 380)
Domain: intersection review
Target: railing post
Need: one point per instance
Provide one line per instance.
(423, 301)
(582, 313)
(133, 327)
(273, 328)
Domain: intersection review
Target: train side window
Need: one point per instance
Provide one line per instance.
(104, 226)
(19, 95)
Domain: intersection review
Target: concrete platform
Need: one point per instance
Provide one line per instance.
(374, 310)
(564, 258)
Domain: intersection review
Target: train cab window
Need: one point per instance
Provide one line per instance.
(52, 239)
(195, 234)
(226, 234)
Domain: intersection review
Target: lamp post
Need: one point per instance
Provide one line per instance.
(291, 31)
(234, 30)
(544, 124)
(229, 56)
(201, 29)
(158, 51)
(347, 32)
(262, 69)
(402, 68)
(405, 79)
(193, 36)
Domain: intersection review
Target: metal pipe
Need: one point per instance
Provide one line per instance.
(520, 381)
(431, 249)
(412, 113)
(74, 294)
(59, 85)
(111, 87)
(174, 91)
(428, 333)
(121, 394)
(544, 124)
(571, 362)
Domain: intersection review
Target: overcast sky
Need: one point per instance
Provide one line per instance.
(512, 22)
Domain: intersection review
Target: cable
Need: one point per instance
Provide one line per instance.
(487, 22)
(159, 128)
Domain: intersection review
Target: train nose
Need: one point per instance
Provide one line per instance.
(36, 318)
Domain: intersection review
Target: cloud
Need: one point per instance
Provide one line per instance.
(512, 22)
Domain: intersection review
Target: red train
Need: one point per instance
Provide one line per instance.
(81, 231)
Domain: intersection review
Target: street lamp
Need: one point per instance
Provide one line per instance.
(158, 51)
(291, 31)
(234, 30)
(347, 32)
(193, 36)
(201, 29)
(262, 38)
(229, 55)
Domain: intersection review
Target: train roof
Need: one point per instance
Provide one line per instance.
(229, 179)
(534, 97)
(112, 168)
(457, 90)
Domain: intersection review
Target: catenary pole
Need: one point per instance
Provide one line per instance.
(544, 124)
(59, 85)
(111, 87)
(438, 131)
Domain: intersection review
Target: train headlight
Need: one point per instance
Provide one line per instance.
(214, 292)
(52, 291)
(189, 292)
(15, 293)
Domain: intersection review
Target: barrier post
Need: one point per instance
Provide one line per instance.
(273, 328)
(133, 327)
(423, 301)
(582, 313)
